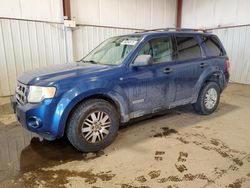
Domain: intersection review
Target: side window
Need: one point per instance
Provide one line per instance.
(188, 48)
(160, 49)
(213, 46)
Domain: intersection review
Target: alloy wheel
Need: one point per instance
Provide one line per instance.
(96, 126)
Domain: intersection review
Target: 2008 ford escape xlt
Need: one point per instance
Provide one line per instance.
(125, 77)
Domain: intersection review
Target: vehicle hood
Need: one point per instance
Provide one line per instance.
(54, 73)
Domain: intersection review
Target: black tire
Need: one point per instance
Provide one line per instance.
(79, 116)
(200, 106)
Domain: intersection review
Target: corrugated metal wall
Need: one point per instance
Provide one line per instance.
(43, 10)
(26, 45)
(236, 41)
(215, 13)
(106, 16)
(140, 14)
(85, 38)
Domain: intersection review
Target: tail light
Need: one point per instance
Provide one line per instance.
(227, 65)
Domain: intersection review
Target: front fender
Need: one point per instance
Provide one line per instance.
(70, 99)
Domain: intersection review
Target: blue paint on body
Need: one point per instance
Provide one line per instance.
(122, 84)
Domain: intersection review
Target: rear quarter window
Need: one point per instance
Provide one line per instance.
(213, 46)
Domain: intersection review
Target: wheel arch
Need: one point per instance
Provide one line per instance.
(211, 76)
(216, 77)
(116, 100)
(99, 96)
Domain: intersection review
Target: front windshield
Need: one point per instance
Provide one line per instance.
(112, 51)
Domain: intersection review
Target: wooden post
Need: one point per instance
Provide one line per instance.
(179, 13)
(66, 9)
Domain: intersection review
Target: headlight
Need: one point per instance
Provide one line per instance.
(38, 93)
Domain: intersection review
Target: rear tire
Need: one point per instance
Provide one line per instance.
(208, 99)
(93, 125)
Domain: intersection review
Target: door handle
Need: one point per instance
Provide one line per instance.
(202, 65)
(168, 70)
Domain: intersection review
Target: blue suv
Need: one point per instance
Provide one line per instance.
(125, 77)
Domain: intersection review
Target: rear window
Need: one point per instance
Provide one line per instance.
(213, 45)
(188, 48)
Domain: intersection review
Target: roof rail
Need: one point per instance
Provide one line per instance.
(174, 29)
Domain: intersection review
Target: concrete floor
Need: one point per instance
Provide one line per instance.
(179, 149)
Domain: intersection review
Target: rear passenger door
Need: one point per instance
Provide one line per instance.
(189, 66)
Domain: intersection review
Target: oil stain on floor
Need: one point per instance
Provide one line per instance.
(59, 178)
(165, 132)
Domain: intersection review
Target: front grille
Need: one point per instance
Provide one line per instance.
(21, 93)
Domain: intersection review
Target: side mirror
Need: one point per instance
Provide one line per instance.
(142, 60)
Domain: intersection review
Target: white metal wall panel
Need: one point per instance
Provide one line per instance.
(237, 44)
(86, 38)
(141, 14)
(26, 45)
(214, 13)
(44, 10)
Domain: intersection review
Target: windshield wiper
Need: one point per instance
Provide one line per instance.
(90, 61)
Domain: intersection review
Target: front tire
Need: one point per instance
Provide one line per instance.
(93, 125)
(208, 99)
